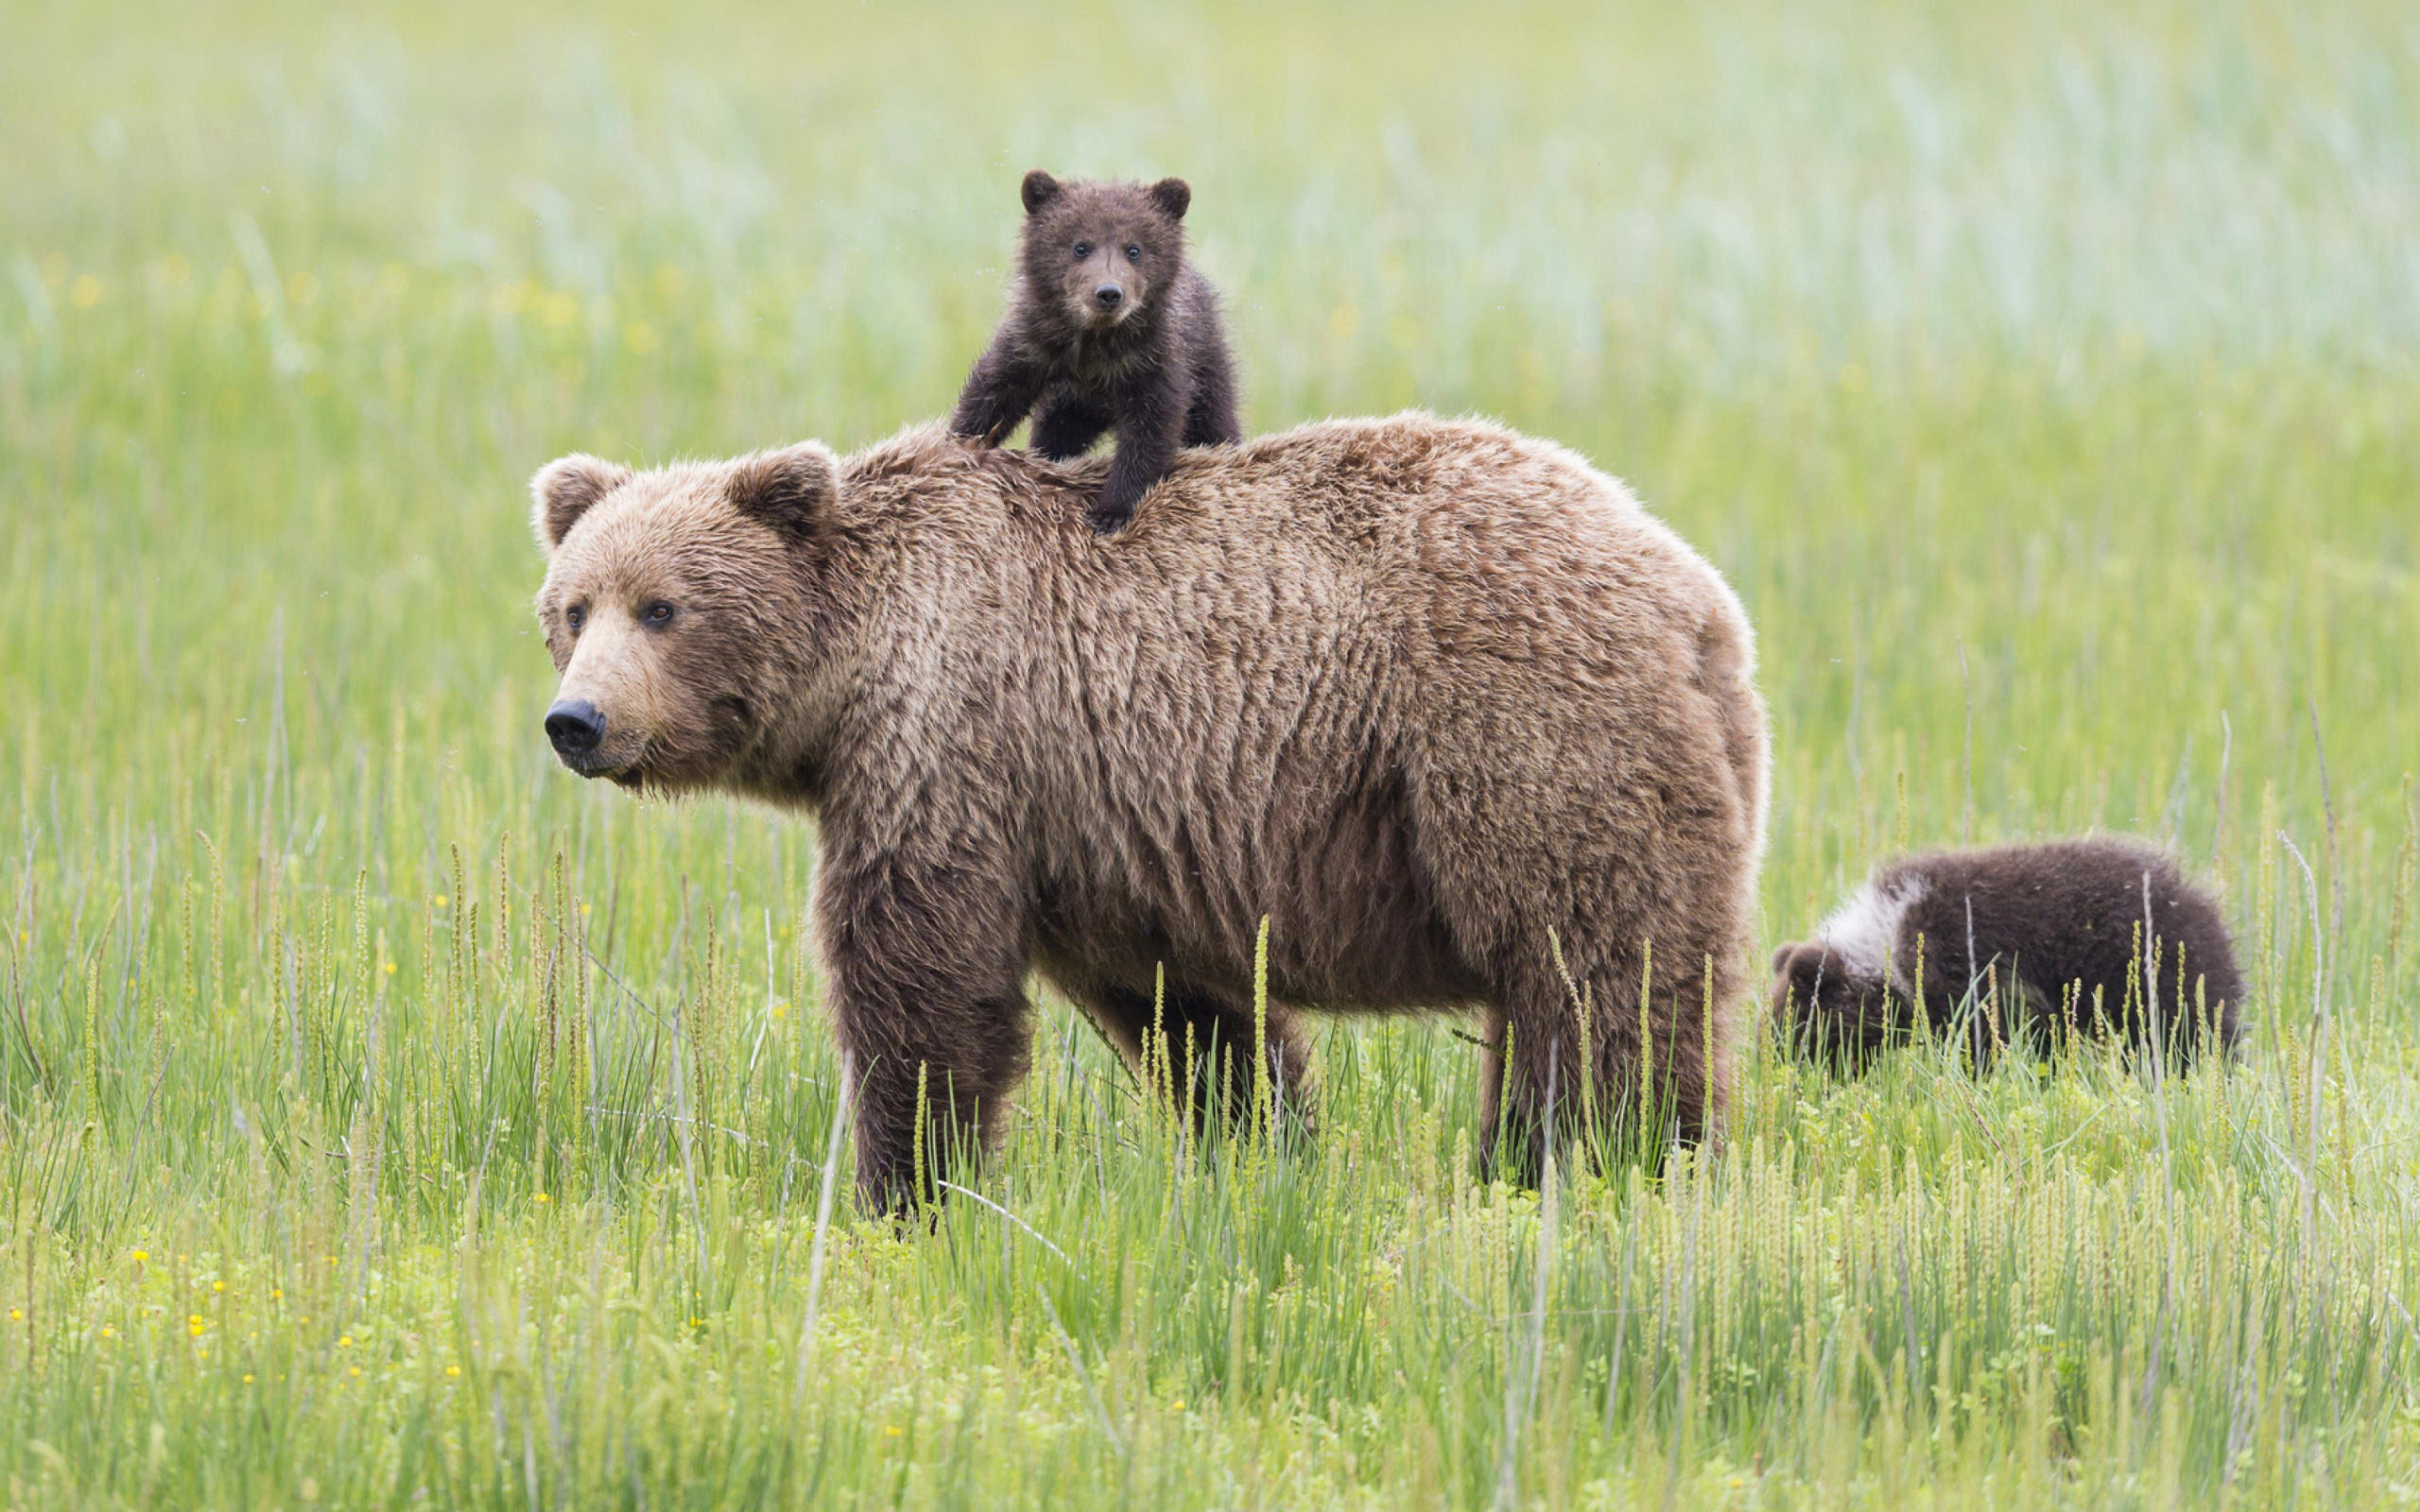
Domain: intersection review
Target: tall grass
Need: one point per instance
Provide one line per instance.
(386, 1117)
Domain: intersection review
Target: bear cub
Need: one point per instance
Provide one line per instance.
(2054, 927)
(1108, 326)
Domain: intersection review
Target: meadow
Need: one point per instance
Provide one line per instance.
(389, 1118)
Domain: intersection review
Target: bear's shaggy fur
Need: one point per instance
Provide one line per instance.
(1440, 701)
(1109, 326)
(2062, 930)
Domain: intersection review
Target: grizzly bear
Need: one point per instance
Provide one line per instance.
(2015, 944)
(1445, 706)
(1109, 326)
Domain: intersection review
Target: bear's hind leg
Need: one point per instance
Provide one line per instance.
(1661, 1063)
(1528, 1087)
(1199, 1043)
(1066, 429)
(1211, 419)
(1643, 1083)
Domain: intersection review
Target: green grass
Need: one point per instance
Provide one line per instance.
(2051, 368)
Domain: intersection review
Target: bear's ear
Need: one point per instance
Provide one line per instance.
(1172, 196)
(564, 490)
(1038, 190)
(1806, 966)
(787, 489)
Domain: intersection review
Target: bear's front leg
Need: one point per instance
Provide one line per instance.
(926, 988)
(1147, 430)
(999, 393)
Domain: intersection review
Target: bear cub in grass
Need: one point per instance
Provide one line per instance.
(2060, 929)
(1108, 327)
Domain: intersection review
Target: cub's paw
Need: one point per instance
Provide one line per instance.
(984, 438)
(1108, 517)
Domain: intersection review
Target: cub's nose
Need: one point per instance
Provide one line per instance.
(1109, 295)
(575, 727)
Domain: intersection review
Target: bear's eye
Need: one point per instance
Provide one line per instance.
(1134, 254)
(576, 616)
(656, 615)
(1083, 249)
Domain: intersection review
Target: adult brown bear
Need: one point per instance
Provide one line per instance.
(1437, 700)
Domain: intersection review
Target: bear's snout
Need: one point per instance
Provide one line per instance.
(1109, 295)
(575, 728)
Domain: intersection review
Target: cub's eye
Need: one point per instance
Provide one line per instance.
(1134, 254)
(656, 615)
(1083, 249)
(576, 616)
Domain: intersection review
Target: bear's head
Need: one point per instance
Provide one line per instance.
(1828, 1006)
(1097, 255)
(681, 608)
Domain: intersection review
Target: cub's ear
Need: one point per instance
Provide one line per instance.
(1038, 190)
(789, 490)
(1806, 966)
(564, 488)
(1172, 196)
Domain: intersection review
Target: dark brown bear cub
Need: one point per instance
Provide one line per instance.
(1108, 327)
(2056, 937)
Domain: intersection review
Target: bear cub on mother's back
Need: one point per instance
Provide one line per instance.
(1108, 326)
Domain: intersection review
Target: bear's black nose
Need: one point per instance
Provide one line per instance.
(1108, 296)
(575, 727)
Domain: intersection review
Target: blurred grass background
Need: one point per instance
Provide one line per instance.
(2046, 368)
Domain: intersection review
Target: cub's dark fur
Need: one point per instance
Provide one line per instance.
(1109, 326)
(2054, 926)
